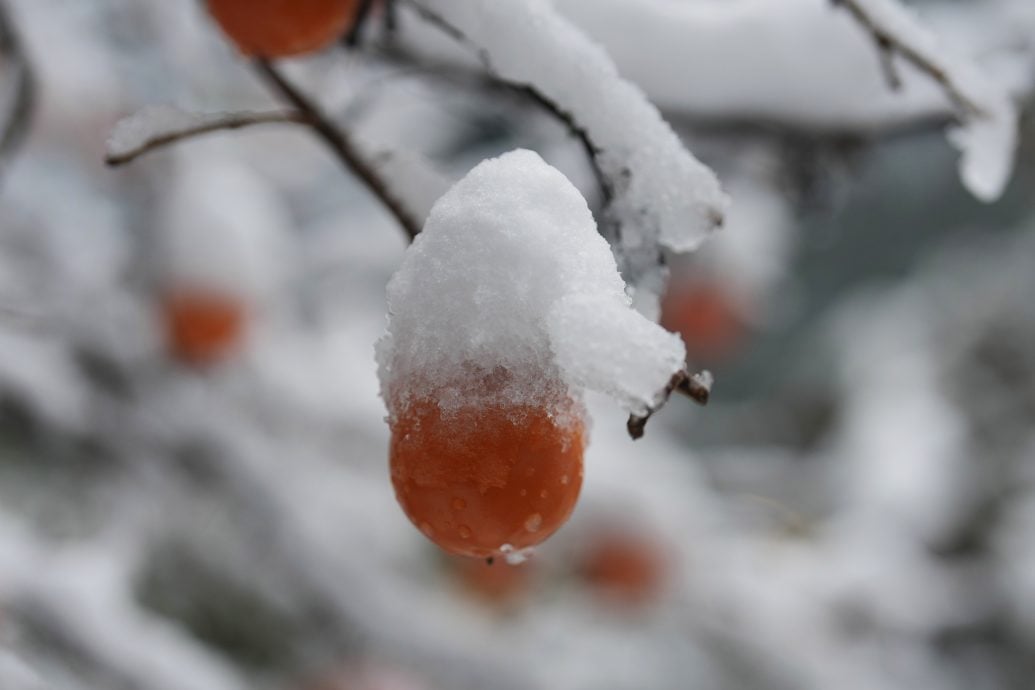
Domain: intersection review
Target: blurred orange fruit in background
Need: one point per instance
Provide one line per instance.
(706, 317)
(202, 326)
(624, 567)
(282, 28)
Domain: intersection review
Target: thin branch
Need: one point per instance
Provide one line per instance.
(16, 128)
(359, 22)
(887, 63)
(890, 44)
(697, 387)
(340, 142)
(391, 16)
(228, 121)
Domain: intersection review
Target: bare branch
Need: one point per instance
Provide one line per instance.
(226, 121)
(340, 142)
(888, 45)
(14, 131)
(359, 22)
(697, 387)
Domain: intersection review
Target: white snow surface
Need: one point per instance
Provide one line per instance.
(663, 194)
(510, 274)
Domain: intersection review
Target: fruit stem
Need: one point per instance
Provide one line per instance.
(697, 387)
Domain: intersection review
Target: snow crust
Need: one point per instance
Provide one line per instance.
(662, 193)
(510, 276)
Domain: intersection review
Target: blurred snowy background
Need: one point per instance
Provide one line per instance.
(854, 509)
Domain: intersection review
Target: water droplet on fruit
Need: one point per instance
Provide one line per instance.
(543, 494)
(534, 522)
(564, 479)
(465, 532)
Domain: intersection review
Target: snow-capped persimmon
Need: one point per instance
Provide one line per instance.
(489, 476)
(202, 326)
(282, 28)
(624, 566)
(706, 317)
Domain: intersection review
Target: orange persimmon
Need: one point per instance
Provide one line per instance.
(623, 566)
(706, 317)
(483, 478)
(202, 326)
(282, 28)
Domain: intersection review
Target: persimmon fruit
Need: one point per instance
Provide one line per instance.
(202, 326)
(706, 318)
(624, 567)
(282, 28)
(489, 476)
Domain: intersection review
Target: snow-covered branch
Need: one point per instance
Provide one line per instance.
(987, 118)
(410, 179)
(155, 127)
(662, 195)
(695, 68)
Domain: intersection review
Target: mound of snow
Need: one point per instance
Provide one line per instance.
(510, 280)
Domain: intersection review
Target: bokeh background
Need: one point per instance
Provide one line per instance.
(210, 509)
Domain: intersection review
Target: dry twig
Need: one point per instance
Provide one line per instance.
(697, 387)
(14, 131)
(224, 122)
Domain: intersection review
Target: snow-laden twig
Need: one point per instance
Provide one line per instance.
(16, 125)
(662, 195)
(410, 179)
(341, 143)
(893, 38)
(987, 117)
(697, 387)
(155, 127)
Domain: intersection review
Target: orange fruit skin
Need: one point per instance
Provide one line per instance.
(706, 318)
(202, 327)
(282, 28)
(624, 568)
(484, 476)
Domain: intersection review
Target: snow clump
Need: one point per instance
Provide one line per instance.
(510, 282)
